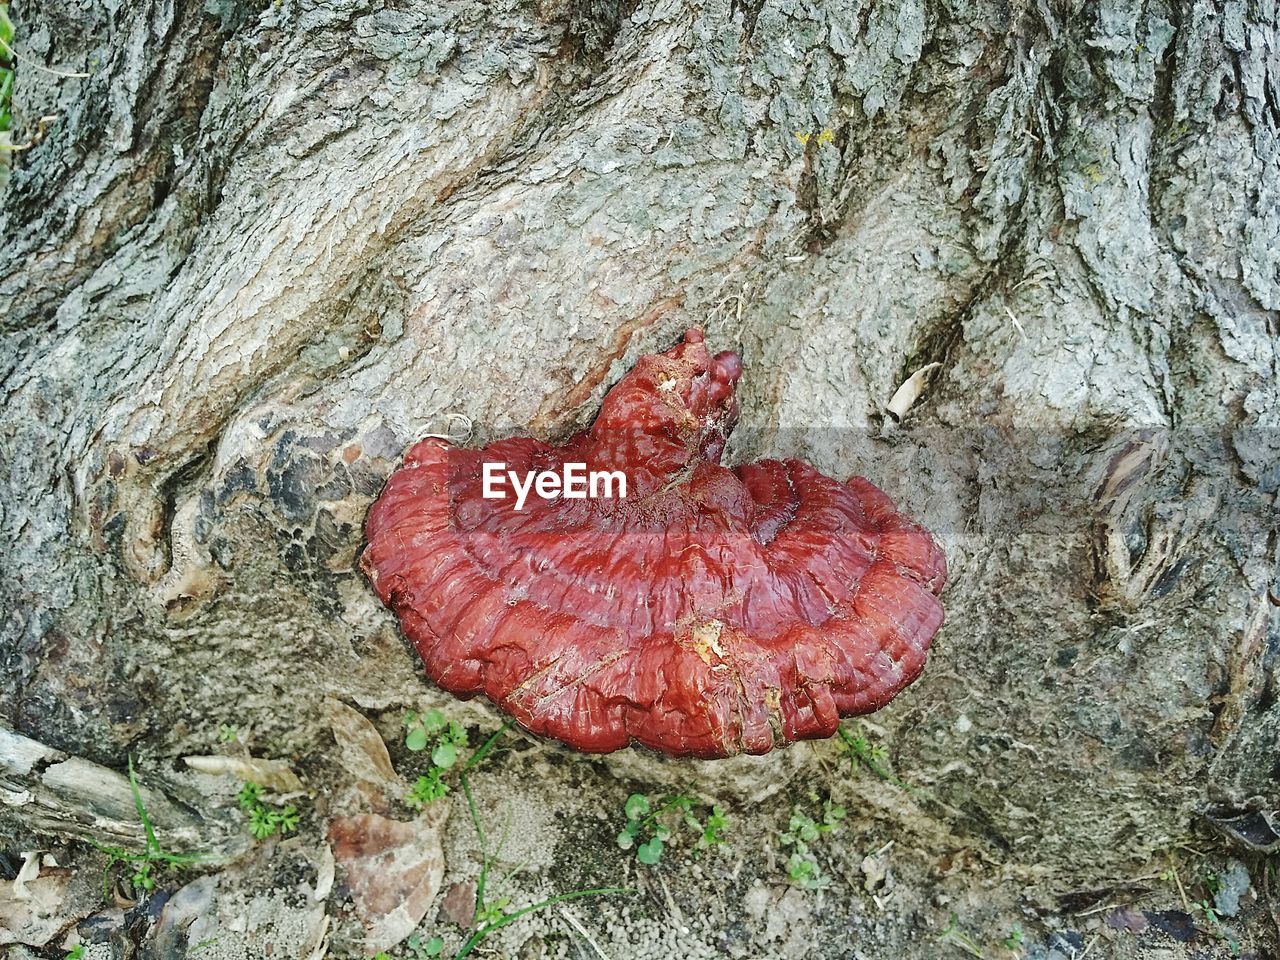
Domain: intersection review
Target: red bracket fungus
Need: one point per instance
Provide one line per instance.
(711, 611)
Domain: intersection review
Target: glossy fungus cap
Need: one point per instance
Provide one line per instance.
(712, 611)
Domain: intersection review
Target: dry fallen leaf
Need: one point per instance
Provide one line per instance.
(43, 905)
(875, 868)
(907, 394)
(324, 875)
(180, 912)
(30, 870)
(272, 774)
(318, 948)
(393, 869)
(361, 749)
(459, 904)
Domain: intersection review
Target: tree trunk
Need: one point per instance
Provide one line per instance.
(264, 246)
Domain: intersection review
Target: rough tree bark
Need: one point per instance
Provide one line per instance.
(266, 245)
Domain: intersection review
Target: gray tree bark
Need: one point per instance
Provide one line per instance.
(264, 246)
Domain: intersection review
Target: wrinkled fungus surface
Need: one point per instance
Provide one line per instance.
(713, 611)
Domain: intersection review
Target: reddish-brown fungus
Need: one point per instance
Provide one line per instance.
(712, 611)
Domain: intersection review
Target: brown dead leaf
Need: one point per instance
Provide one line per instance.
(36, 911)
(324, 875)
(909, 392)
(360, 748)
(274, 775)
(393, 869)
(459, 904)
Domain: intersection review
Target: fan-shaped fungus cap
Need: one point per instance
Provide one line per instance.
(710, 612)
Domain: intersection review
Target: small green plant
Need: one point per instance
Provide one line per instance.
(444, 737)
(492, 912)
(428, 789)
(1213, 922)
(713, 830)
(228, 733)
(9, 58)
(431, 729)
(264, 821)
(646, 832)
(420, 949)
(493, 915)
(75, 953)
(953, 935)
(1014, 940)
(1212, 882)
(803, 831)
(6, 68)
(859, 749)
(151, 857)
